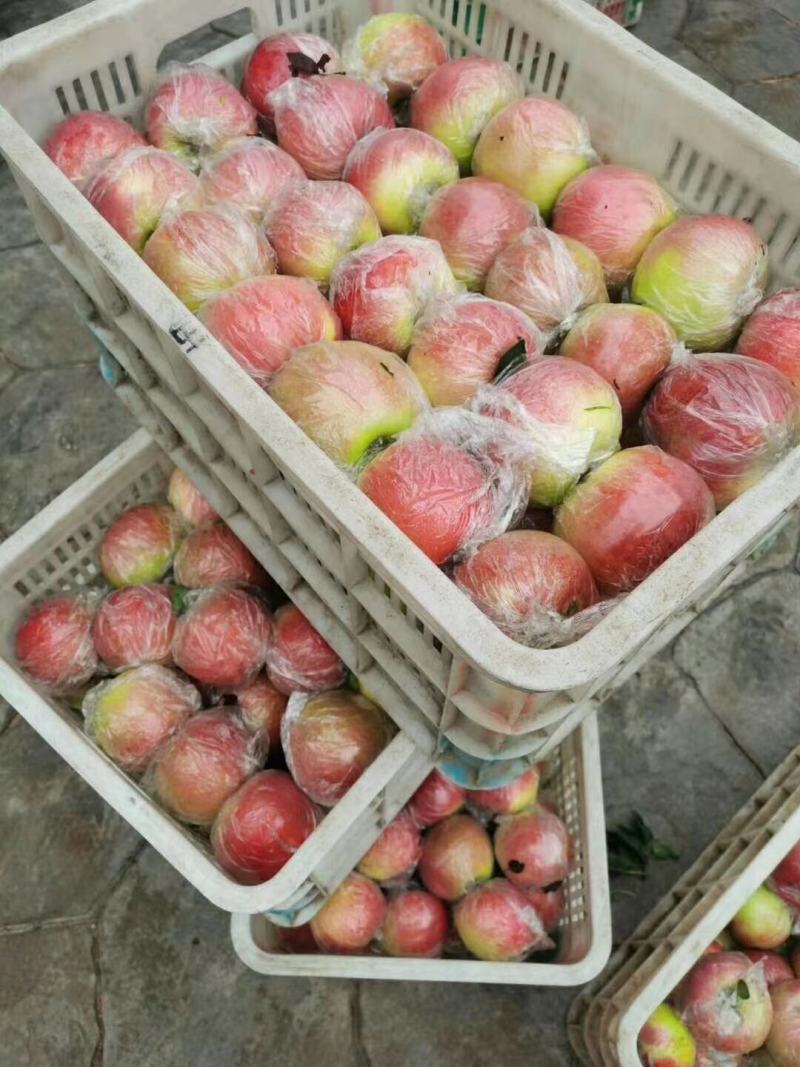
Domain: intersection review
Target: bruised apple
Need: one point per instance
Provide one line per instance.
(533, 848)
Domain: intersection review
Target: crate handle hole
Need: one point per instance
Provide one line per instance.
(214, 34)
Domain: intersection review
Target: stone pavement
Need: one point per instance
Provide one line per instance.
(108, 958)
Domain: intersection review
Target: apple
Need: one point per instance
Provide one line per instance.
(222, 638)
(519, 794)
(764, 921)
(631, 513)
(772, 334)
(295, 940)
(550, 278)
(730, 418)
(496, 922)
(83, 141)
(261, 826)
(615, 211)
(666, 1041)
(198, 253)
(249, 173)
(203, 763)
(456, 101)
(459, 342)
(135, 625)
(132, 715)
(783, 1042)
(299, 659)
(416, 924)
(270, 66)
(397, 48)
(319, 119)
(786, 878)
(725, 1002)
(54, 645)
(139, 545)
(549, 904)
(628, 345)
(776, 968)
(214, 554)
(704, 274)
(436, 799)
(188, 501)
(134, 189)
(380, 290)
(535, 146)
(710, 1057)
(456, 855)
(329, 740)
(195, 109)
(533, 848)
(345, 395)
(262, 708)
(350, 918)
(396, 852)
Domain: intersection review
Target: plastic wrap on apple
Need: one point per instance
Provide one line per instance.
(54, 643)
(400, 48)
(299, 659)
(135, 625)
(496, 922)
(772, 334)
(249, 173)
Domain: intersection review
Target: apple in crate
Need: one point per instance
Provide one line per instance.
(783, 1042)
(345, 395)
(54, 645)
(261, 826)
(533, 848)
(472, 220)
(777, 968)
(299, 658)
(496, 922)
(132, 715)
(549, 904)
(396, 853)
(763, 922)
(786, 878)
(666, 1041)
(519, 794)
(416, 924)
(772, 334)
(725, 1002)
(195, 109)
(319, 119)
(221, 639)
(350, 918)
(436, 799)
(271, 65)
(262, 707)
(135, 625)
(456, 855)
(140, 544)
(295, 940)
(198, 253)
(397, 48)
(456, 101)
(81, 142)
(249, 173)
(214, 554)
(188, 501)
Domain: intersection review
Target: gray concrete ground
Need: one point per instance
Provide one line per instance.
(108, 958)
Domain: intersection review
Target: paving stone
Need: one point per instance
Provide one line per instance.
(742, 40)
(661, 21)
(54, 425)
(743, 654)
(789, 8)
(7, 372)
(17, 228)
(19, 15)
(63, 846)
(194, 45)
(777, 100)
(683, 55)
(47, 1016)
(175, 993)
(6, 714)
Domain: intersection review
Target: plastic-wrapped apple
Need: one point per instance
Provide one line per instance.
(135, 625)
(299, 658)
(188, 501)
(456, 855)
(214, 554)
(764, 921)
(533, 848)
(198, 253)
(497, 922)
(351, 917)
(249, 173)
(270, 65)
(783, 1042)
(196, 109)
(436, 799)
(615, 211)
(704, 274)
(139, 545)
(726, 1004)
(519, 794)
(666, 1041)
(550, 278)
(379, 291)
(132, 715)
(628, 345)
(729, 417)
(319, 119)
(261, 826)
(312, 226)
(262, 708)
(460, 341)
(456, 101)
(632, 513)
(398, 48)
(54, 645)
(345, 395)
(295, 940)
(416, 924)
(786, 878)
(472, 221)
(777, 968)
(396, 853)
(772, 334)
(535, 146)
(83, 141)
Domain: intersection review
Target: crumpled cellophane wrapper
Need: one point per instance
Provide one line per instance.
(299, 659)
(214, 555)
(497, 923)
(197, 253)
(188, 501)
(135, 625)
(394, 855)
(194, 110)
(54, 642)
(729, 417)
(250, 173)
(82, 142)
(140, 544)
(399, 48)
(319, 119)
(131, 715)
(772, 334)
(329, 740)
(550, 278)
(711, 1012)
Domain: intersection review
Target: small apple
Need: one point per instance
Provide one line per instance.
(666, 1041)
(135, 625)
(416, 924)
(456, 855)
(54, 645)
(299, 659)
(436, 799)
(214, 554)
(262, 708)
(497, 922)
(398, 48)
(139, 545)
(188, 501)
(763, 922)
(80, 143)
(396, 853)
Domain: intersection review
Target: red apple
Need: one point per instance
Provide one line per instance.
(776, 968)
(783, 1042)
(533, 848)
(519, 794)
(497, 922)
(632, 513)
(416, 925)
(397, 48)
(330, 739)
(456, 855)
(396, 852)
(764, 921)
(249, 173)
(351, 917)
(726, 1004)
(214, 554)
(222, 638)
(269, 66)
(772, 334)
(666, 1041)
(262, 708)
(188, 501)
(135, 625)
(296, 940)
(435, 799)
(786, 878)
(261, 826)
(299, 658)
(549, 904)
(132, 715)
(139, 545)
(81, 142)
(54, 643)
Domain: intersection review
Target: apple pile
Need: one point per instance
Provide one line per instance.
(377, 232)
(189, 681)
(739, 1006)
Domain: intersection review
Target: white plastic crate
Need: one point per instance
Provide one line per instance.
(584, 932)
(456, 674)
(57, 551)
(625, 12)
(606, 1018)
